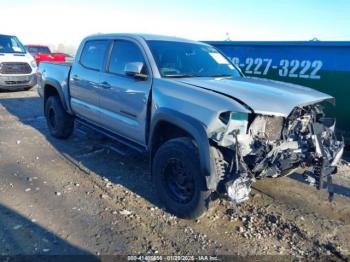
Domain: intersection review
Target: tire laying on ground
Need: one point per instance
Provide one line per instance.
(60, 123)
(178, 179)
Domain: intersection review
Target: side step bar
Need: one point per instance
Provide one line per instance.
(112, 136)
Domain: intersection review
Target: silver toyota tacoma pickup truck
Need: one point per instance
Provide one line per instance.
(205, 126)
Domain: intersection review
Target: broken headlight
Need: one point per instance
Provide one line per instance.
(235, 122)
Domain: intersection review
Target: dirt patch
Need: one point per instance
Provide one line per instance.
(78, 196)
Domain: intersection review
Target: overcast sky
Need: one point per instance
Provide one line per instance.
(53, 22)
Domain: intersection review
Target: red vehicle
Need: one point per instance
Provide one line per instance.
(43, 53)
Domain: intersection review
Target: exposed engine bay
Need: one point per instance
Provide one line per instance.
(272, 146)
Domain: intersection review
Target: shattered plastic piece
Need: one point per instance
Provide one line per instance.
(239, 190)
(125, 212)
(309, 179)
(17, 227)
(337, 157)
(104, 196)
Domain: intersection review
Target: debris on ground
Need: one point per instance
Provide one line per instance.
(125, 212)
(110, 205)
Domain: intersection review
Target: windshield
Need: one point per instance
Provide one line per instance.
(38, 49)
(10, 44)
(180, 59)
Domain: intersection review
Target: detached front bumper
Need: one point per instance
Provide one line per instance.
(17, 82)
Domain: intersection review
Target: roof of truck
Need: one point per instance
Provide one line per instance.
(31, 45)
(147, 37)
(5, 35)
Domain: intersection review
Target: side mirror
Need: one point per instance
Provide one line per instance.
(134, 69)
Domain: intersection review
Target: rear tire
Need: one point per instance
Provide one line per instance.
(180, 184)
(59, 122)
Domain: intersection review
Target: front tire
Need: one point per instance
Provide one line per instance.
(59, 122)
(178, 179)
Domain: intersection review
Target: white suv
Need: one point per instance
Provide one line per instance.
(17, 66)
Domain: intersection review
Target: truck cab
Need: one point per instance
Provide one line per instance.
(17, 66)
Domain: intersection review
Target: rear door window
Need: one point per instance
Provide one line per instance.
(93, 54)
(41, 49)
(124, 52)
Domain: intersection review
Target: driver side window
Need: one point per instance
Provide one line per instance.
(124, 52)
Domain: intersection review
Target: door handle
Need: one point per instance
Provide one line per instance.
(75, 77)
(105, 85)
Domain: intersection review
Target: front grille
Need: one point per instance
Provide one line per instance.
(16, 82)
(8, 68)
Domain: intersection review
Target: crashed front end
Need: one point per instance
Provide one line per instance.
(272, 146)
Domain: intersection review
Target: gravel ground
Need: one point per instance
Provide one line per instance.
(80, 196)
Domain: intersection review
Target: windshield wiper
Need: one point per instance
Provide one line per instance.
(221, 75)
(178, 75)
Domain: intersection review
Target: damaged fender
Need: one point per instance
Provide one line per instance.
(198, 132)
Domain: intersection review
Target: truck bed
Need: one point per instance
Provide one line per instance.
(55, 73)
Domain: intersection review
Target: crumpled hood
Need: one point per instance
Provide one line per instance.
(263, 96)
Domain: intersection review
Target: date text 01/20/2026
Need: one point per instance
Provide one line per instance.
(173, 258)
